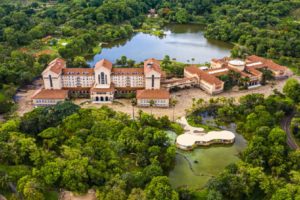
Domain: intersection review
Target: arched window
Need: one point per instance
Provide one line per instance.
(102, 78)
(50, 79)
(153, 81)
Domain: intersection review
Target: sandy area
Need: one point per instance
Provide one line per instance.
(66, 195)
(23, 97)
(185, 99)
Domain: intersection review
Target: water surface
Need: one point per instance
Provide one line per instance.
(210, 161)
(181, 42)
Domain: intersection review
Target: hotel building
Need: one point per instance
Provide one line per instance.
(102, 83)
(250, 68)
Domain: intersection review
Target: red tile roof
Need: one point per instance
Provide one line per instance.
(265, 63)
(254, 71)
(127, 71)
(51, 94)
(152, 64)
(129, 88)
(110, 89)
(153, 94)
(56, 65)
(221, 61)
(78, 71)
(218, 71)
(104, 63)
(76, 88)
(203, 75)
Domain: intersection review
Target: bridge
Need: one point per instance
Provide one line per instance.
(179, 83)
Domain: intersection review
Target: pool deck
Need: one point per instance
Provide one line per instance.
(197, 137)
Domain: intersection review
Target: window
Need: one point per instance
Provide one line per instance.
(102, 81)
(153, 81)
(50, 79)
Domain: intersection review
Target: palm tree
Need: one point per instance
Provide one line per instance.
(193, 59)
(133, 103)
(151, 103)
(173, 104)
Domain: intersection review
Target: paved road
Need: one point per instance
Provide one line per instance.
(285, 125)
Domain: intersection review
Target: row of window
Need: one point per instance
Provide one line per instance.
(78, 84)
(126, 77)
(106, 93)
(51, 101)
(76, 77)
(77, 73)
(127, 73)
(158, 101)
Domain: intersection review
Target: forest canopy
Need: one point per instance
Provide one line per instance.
(76, 149)
(33, 32)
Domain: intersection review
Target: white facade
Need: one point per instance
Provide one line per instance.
(135, 81)
(152, 80)
(77, 81)
(102, 77)
(52, 80)
(103, 82)
(157, 102)
(46, 102)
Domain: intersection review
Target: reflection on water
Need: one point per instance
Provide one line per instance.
(195, 168)
(182, 42)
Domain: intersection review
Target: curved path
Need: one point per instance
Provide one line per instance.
(191, 167)
(285, 125)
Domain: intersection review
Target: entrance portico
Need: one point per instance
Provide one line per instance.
(102, 95)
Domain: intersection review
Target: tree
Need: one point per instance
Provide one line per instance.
(133, 104)
(30, 188)
(160, 189)
(42, 118)
(74, 175)
(267, 75)
(5, 104)
(181, 16)
(51, 172)
(173, 104)
(151, 104)
(137, 194)
(292, 90)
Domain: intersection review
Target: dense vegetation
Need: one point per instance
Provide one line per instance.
(77, 149)
(32, 34)
(35, 31)
(265, 28)
(268, 169)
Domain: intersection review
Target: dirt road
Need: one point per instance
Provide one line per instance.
(285, 125)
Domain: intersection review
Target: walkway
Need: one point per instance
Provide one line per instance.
(196, 136)
(184, 123)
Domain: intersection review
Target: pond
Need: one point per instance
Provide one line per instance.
(195, 168)
(182, 42)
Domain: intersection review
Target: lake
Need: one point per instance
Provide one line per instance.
(182, 42)
(210, 161)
